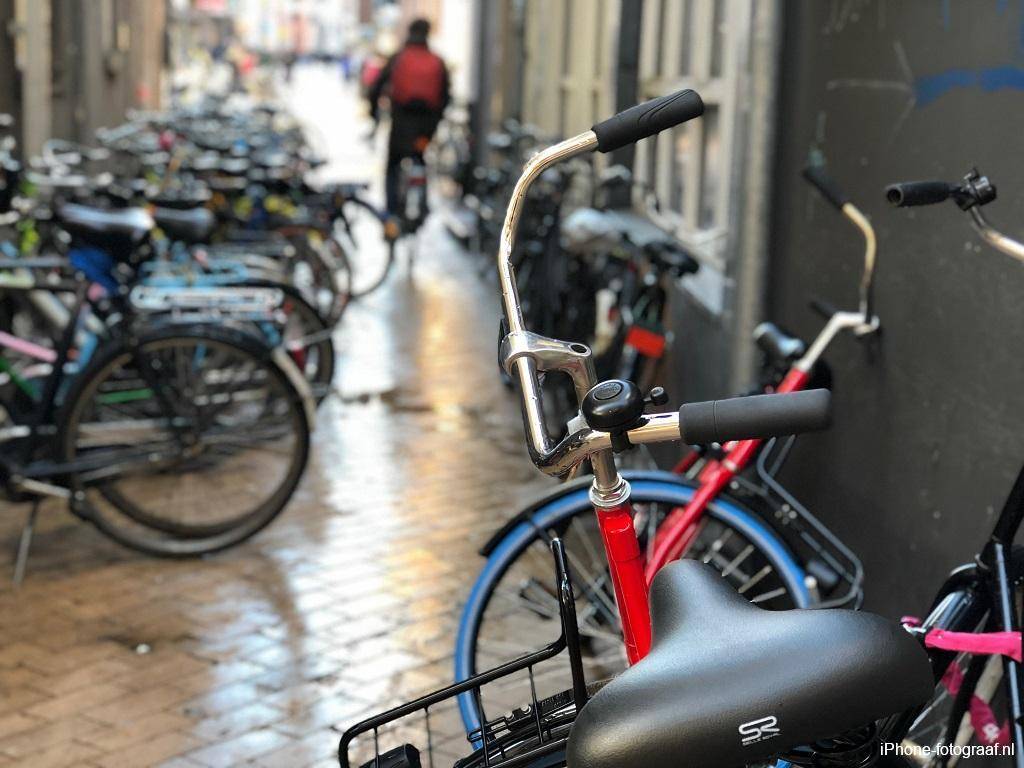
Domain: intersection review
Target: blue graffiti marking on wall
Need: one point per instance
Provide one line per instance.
(990, 79)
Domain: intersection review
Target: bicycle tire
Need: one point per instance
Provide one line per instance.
(347, 242)
(122, 518)
(572, 501)
(325, 264)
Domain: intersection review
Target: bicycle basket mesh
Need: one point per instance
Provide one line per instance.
(428, 732)
(836, 571)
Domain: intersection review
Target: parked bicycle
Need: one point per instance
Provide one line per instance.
(163, 384)
(172, 438)
(724, 506)
(725, 682)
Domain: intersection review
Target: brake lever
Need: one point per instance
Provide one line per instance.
(974, 190)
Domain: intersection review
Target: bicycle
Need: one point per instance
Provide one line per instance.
(253, 180)
(174, 439)
(704, 692)
(159, 257)
(767, 544)
(110, 248)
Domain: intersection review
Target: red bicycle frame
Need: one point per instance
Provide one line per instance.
(677, 531)
(631, 575)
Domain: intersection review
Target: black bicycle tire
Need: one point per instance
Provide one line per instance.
(253, 522)
(307, 253)
(327, 357)
(390, 244)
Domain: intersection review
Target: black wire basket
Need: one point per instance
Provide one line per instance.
(535, 733)
(834, 574)
(837, 573)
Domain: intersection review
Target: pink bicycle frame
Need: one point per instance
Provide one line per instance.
(27, 348)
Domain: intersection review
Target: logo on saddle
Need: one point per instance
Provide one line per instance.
(762, 729)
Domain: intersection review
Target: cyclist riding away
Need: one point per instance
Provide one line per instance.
(416, 82)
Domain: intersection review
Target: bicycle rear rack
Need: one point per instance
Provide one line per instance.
(528, 733)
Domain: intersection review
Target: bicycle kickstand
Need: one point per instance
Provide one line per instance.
(25, 543)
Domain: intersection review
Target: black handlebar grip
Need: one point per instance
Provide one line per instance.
(647, 119)
(757, 416)
(910, 193)
(821, 181)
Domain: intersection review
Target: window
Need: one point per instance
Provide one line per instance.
(697, 44)
(568, 84)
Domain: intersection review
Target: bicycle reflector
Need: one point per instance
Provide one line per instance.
(649, 342)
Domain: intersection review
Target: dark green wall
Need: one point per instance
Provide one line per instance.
(930, 433)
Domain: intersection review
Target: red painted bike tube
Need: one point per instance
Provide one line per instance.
(678, 529)
(625, 562)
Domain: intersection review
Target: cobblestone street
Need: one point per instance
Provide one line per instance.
(345, 604)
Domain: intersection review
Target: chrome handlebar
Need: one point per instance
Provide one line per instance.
(994, 237)
(525, 354)
(524, 365)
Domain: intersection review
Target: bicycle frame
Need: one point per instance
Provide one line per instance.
(676, 532)
(978, 595)
(16, 472)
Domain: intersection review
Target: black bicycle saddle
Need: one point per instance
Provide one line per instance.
(194, 225)
(120, 231)
(727, 683)
(781, 348)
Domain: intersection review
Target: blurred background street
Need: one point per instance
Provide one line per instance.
(226, 547)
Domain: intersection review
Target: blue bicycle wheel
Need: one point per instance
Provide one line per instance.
(512, 607)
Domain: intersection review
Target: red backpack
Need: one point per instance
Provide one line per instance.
(417, 76)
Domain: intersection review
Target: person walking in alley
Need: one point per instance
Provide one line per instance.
(416, 82)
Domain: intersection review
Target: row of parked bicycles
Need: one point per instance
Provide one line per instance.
(699, 617)
(167, 302)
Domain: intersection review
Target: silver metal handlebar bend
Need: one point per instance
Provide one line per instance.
(526, 359)
(870, 256)
(524, 354)
(995, 238)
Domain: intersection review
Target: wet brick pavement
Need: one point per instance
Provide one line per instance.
(347, 603)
